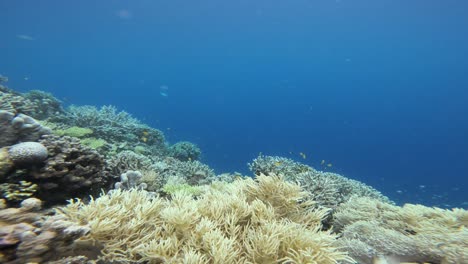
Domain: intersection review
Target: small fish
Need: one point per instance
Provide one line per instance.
(163, 94)
(329, 165)
(303, 155)
(323, 162)
(26, 78)
(144, 139)
(278, 163)
(145, 133)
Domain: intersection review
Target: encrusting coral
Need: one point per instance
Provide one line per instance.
(266, 220)
(372, 229)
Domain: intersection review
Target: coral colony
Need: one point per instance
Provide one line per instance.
(94, 185)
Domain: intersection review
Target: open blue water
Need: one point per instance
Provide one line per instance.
(378, 88)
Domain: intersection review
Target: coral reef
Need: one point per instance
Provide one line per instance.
(71, 170)
(131, 180)
(17, 192)
(276, 165)
(190, 172)
(373, 230)
(94, 143)
(185, 151)
(46, 105)
(27, 153)
(19, 128)
(113, 126)
(327, 189)
(74, 131)
(28, 236)
(263, 221)
(36, 104)
(15, 103)
(128, 160)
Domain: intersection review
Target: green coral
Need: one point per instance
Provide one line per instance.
(94, 143)
(74, 131)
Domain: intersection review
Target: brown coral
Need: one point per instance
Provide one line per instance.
(71, 170)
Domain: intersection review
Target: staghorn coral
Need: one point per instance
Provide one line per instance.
(326, 188)
(28, 236)
(247, 221)
(19, 128)
(373, 230)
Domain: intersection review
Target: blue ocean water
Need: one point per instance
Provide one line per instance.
(377, 88)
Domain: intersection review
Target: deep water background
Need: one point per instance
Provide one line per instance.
(378, 88)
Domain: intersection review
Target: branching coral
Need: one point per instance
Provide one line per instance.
(247, 221)
(372, 229)
(185, 151)
(277, 165)
(327, 189)
(114, 127)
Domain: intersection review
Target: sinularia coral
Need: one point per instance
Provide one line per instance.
(266, 220)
